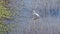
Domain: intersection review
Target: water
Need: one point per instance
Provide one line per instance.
(25, 23)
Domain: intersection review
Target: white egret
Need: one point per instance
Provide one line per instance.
(36, 15)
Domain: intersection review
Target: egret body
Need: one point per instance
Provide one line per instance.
(36, 15)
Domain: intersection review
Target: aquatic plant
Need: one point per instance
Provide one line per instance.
(4, 12)
(3, 27)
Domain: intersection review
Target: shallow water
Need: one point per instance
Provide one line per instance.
(25, 23)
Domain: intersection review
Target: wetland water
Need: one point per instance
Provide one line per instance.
(25, 23)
